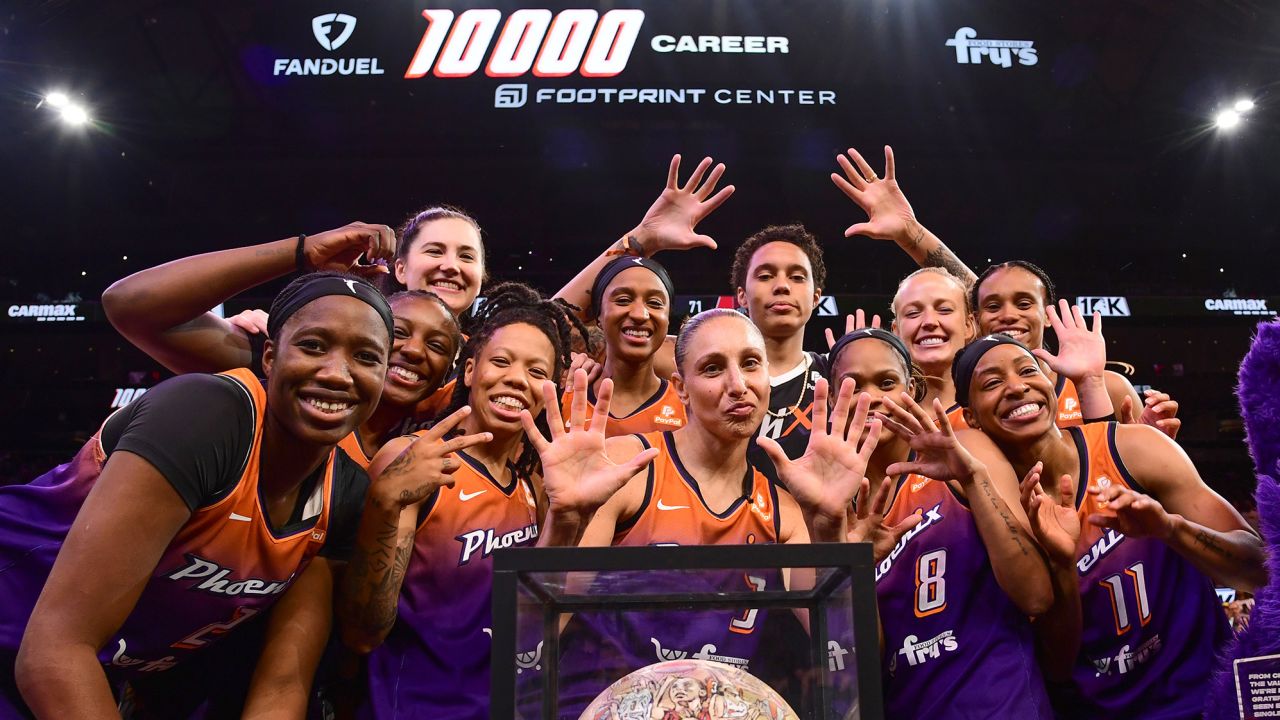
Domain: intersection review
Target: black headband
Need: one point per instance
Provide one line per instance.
(894, 341)
(295, 297)
(626, 263)
(966, 361)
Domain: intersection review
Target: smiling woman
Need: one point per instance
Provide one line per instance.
(226, 513)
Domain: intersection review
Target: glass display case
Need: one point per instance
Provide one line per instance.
(569, 622)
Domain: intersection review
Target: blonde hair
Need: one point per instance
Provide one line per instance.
(961, 285)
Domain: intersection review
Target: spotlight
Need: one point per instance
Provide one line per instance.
(75, 115)
(57, 99)
(1243, 106)
(1227, 119)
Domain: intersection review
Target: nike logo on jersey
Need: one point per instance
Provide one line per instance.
(662, 506)
(467, 496)
(241, 518)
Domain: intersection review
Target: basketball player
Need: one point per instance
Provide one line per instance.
(440, 250)
(631, 302)
(173, 526)
(1153, 539)
(955, 593)
(163, 311)
(931, 315)
(418, 594)
(703, 490)
(1014, 302)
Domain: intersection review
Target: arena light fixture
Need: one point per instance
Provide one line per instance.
(57, 99)
(74, 115)
(1227, 120)
(1243, 105)
(71, 112)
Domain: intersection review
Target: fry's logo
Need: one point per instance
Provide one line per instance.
(551, 45)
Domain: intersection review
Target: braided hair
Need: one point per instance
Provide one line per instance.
(1049, 291)
(508, 304)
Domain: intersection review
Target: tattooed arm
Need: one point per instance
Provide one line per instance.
(1181, 510)
(405, 473)
(889, 215)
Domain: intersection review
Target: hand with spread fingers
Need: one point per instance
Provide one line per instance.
(425, 466)
(1159, 410)
(938, 454)
(866, 520)
(584, 362)
(1054, 519)
(825, 480)
(1132, 513)
(1082, 351)
(889, 215)
(341, 249)
(671, 220)
(856, 321)
(577, 474)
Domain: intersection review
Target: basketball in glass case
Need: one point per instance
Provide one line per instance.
(689, 690)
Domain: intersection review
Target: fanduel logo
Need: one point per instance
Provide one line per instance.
(1104, 306)
(322, 26)
(971, 50)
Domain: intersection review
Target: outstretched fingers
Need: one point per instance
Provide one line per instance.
(710, 185)
(890, 171)
(673, 172)
(600, 417)
(819, 418)
(445, 426)
(535, 436)
(840, 413)
(696, 177)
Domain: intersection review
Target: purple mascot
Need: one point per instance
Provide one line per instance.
(1259, 394)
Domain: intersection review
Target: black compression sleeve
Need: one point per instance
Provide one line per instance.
(349, 486)
(196, 429)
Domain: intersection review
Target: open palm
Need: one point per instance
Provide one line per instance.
(938, 454)
(577, 474)
(671, 221)
(825, 480)
(1054, 519)
(1082, 352)
(889, 215)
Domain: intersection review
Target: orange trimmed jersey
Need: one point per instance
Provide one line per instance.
(599, 647)
(1152, 622)
(661, 412)
(949, 628)
(435, 661)
(956, 416)
(224, 566)
(354, 450)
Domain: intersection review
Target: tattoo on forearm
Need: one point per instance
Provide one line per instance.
(998, 504)
(917, 236)
(942, 257)
(1210, 543)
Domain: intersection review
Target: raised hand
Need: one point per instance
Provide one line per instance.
(1132, 513)
(1159, 410)
(939, 455)
(425, 466)
(340, 249)
(586, 363)
(577, 474)
(856, 321)
(889, 215)
(1054, 519)
(252, 322)
(866, 520)
(670, 222)
(825, 480)
(1082, 352)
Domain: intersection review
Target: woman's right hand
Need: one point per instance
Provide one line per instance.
(340, 249)
(425, 466)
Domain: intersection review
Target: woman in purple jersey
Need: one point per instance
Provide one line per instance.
(417, 596)
(1133, 524)
(960, 497)
(193, 509)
